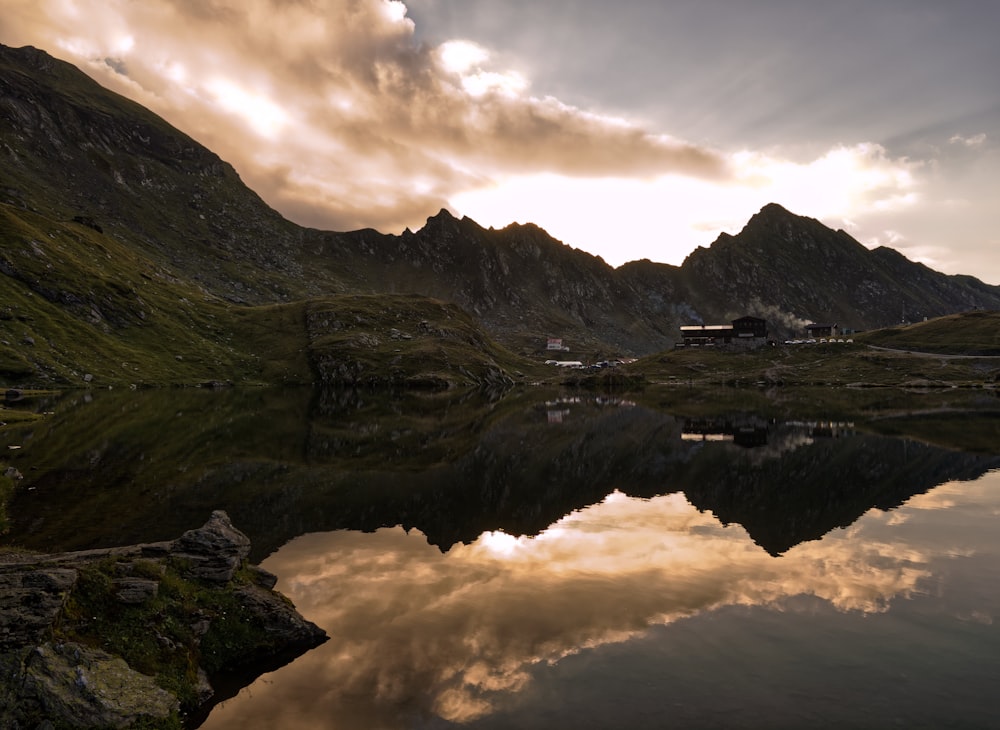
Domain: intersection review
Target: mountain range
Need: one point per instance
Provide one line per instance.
(125, 243)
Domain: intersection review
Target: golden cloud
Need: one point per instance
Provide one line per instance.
(331, 110)
(415, 631)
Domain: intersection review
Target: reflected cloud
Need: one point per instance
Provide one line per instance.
(421, 633)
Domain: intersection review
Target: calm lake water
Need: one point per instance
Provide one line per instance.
(550, 560)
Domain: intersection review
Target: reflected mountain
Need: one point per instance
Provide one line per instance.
(117, 468)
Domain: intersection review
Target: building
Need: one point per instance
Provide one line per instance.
(821, 330)
(748, 332)
(554, 343)
(750, 327)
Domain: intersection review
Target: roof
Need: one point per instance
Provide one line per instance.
(705, 327)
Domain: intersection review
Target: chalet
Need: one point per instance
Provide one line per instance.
(821, 330)
(746, 332)
(750, 327)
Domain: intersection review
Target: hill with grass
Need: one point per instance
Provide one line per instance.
(946, 352)
(131, 254)
(968, 334)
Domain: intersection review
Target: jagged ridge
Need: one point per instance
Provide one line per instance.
(112, 184)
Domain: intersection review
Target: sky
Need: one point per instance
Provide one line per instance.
(634, 129)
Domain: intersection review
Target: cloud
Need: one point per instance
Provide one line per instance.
(975, 141)
(665, 217)
(340, 117)
(332, 110)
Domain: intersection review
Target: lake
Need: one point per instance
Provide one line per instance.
(548, 559)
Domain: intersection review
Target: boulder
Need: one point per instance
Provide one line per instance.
(30, 602)
(91, 688)
(213, 552)
(134, 591)
(50, 670)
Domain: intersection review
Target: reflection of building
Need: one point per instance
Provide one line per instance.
(743, 332)
(556, 416)
(558, 410)
(748, 434)
(749, 430)
(825, 429)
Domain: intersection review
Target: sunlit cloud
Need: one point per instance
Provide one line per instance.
(466, 61)
(263, 115)
(338, 116)
(332, 111)
(664, 218)
(461, 56)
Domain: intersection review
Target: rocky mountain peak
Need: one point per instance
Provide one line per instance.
(105, 174)
(27, 55)
(773, 219)
(443, 215)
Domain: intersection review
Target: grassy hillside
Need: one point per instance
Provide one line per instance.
(127, 250)
(398, 340)
(956, 350)
(77, 303)
(79, 308)
(969, 333)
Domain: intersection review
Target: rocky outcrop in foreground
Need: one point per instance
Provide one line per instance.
(134, 635)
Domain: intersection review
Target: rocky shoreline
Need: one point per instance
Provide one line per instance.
(136, 635)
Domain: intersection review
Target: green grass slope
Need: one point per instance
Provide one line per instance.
(823, 365)
(969, 333)
(76, 303)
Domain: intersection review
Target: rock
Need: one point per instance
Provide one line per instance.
(30, 602)
(86, 220)
(282, 624)
(203, 688)
(134, 591)
(261, 577)
(208, 620)
(12, 473)
(215, 551)
(80, 686)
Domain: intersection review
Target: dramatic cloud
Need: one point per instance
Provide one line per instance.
(332, 111)
(343, 114)
(665, 217)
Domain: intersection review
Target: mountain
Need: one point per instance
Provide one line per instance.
(127, 247)
(782, 266)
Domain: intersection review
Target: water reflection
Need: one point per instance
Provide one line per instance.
(480, 560)
(112, 468)
(417, 634)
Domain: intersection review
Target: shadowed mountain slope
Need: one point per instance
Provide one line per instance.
(787, 267)
(112, 219)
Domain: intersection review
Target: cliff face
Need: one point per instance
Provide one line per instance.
(109, 638)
